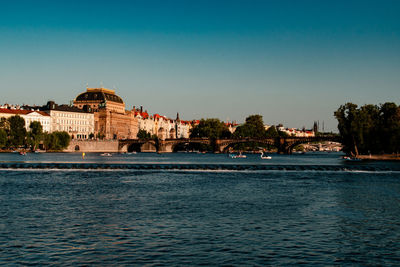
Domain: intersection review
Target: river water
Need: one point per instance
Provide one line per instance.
(197, 209)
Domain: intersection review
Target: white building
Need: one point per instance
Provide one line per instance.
(78, 123)
(296, 132)
(163, 127)
(145, 122)
(183, 129)
(29, 116)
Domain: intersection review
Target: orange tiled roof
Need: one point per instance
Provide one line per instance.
(21, 111)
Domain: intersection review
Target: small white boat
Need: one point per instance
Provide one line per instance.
(240, 156)
(106, 155)
(264, 157)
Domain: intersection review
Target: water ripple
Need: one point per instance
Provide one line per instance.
(313, 215)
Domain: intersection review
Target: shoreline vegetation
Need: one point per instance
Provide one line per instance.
(370, 132)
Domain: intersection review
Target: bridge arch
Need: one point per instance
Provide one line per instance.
(225, 145)
(290, 143)
(135, 147)
(190, 144)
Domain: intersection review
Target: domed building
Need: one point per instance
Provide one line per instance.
(96, 98)
(111, 120)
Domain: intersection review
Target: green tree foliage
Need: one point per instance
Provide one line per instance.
(3, 138)
(370, 128)
(210, 128)
(283, 134)
(272, 132)
(57, 140)
(253, 127)
(4, 124)
(17, 132)
(143, 134)
(35, 134)
(390, 127)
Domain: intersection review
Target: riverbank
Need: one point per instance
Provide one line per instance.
(384, 157)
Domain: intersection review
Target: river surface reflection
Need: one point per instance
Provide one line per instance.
(198, 217)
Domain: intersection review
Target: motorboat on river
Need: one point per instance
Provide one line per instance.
(106, 155)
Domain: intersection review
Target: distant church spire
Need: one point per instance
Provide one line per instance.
(177, 116)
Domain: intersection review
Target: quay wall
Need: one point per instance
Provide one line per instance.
(93, 146)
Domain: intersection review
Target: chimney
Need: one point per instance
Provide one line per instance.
(141, 109)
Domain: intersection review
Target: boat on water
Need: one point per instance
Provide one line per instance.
(106, 155)
(235, 156)
(351, 158)
(22, 153)
(264, 157)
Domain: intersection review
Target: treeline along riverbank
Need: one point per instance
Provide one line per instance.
(370, 130)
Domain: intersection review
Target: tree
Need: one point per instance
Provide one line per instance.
(57, 140)
(4, 124)
(390, 127)
(64, 139)
(3, 138)
(253, 127)
(348, 128)
(272, 132)
(369, 141)
(210, 128)
(143, 134)
(17, 131)
(370, 128)
(36, 134)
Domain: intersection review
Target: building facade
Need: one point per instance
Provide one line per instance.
(296, 132)
(79, 124)
(29, 116)
(111, 120)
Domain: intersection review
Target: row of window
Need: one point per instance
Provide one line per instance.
(28, 122)
(73, 122)
(73, 129)
(73, 115)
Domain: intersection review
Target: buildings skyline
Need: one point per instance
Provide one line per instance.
(101, 113)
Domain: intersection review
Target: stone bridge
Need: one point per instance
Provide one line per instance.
(285, 145)
(161, 146)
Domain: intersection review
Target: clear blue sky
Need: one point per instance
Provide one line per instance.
(291, 61)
